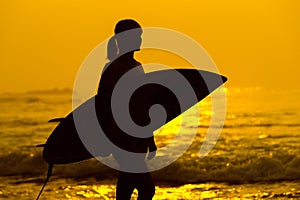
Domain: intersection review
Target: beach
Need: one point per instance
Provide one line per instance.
(256, 156)
(93, 189)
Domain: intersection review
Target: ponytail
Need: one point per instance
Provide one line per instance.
(112, 49)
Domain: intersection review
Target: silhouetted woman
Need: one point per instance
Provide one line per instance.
(120, 52)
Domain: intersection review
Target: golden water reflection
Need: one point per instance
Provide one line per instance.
(188, 191)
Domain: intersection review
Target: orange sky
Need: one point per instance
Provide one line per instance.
(254, 43)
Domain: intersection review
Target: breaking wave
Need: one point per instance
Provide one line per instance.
(185, 170)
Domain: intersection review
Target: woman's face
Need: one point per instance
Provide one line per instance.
(129, 40)
(138, 41)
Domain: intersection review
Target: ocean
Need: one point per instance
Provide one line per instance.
(257, 155)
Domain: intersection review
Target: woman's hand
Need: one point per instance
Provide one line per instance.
(151, 155)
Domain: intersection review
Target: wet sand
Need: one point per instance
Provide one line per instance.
(92, 189)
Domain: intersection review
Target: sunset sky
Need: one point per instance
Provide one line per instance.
(43, 43)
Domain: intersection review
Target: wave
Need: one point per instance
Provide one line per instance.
(26, 122)
(251, 125)
(35, 100)
(22, 122)
(52, 91)
(183, 171)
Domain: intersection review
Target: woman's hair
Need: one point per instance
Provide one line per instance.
(125, 25)
(112, 49)
(121, 26)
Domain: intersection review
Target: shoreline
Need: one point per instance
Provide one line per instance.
(20, 179)
(66, 188)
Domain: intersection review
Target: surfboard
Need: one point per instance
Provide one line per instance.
(64, 145)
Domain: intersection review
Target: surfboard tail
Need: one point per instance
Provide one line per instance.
(49, 174)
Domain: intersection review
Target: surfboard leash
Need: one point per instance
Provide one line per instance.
(49, 173)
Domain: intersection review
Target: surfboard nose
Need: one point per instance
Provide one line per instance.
(224, 78)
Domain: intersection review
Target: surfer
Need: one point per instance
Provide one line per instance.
(120, 53)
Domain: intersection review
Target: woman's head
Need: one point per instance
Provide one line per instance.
(128, 36)
(122, 41)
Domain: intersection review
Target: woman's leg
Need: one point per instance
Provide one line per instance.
(125, 186)
(145, 186)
